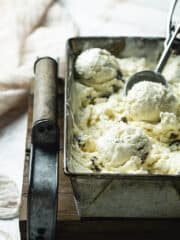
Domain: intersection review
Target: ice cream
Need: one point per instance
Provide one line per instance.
(120, 143)
(172, 70)
(168, 130)
(137, 134)
(146, 100)
(99, 69)
(131, 65)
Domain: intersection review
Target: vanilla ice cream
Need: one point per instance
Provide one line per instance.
(113, 133)
(172, 69)
(120, 143)
(99, 69)
(147, 99)
(168, 129)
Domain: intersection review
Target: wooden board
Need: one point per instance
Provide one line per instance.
(69, 225)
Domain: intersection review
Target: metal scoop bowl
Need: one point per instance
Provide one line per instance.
(144, 76)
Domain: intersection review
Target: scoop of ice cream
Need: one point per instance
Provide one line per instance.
(168, 163)
(96, 65)
(168, 129)
(82, 95)
(147, 99)
(172, 69)
(120, 143)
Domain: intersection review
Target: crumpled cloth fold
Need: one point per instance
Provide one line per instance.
(9, 198)
(29, 29)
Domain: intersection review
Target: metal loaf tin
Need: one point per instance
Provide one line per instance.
(118, 195)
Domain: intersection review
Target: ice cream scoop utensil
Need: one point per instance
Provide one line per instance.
(166, 52)
(154, 76)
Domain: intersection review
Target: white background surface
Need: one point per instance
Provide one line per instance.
(95, 17)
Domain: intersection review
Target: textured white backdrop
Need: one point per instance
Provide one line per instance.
(36, 36)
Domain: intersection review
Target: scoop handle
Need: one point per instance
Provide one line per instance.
(170, 23)
(165, 55)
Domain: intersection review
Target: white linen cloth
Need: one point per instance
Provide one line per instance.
(31, 29)
(28, 29)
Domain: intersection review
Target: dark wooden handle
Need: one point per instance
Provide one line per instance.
(45, 89)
